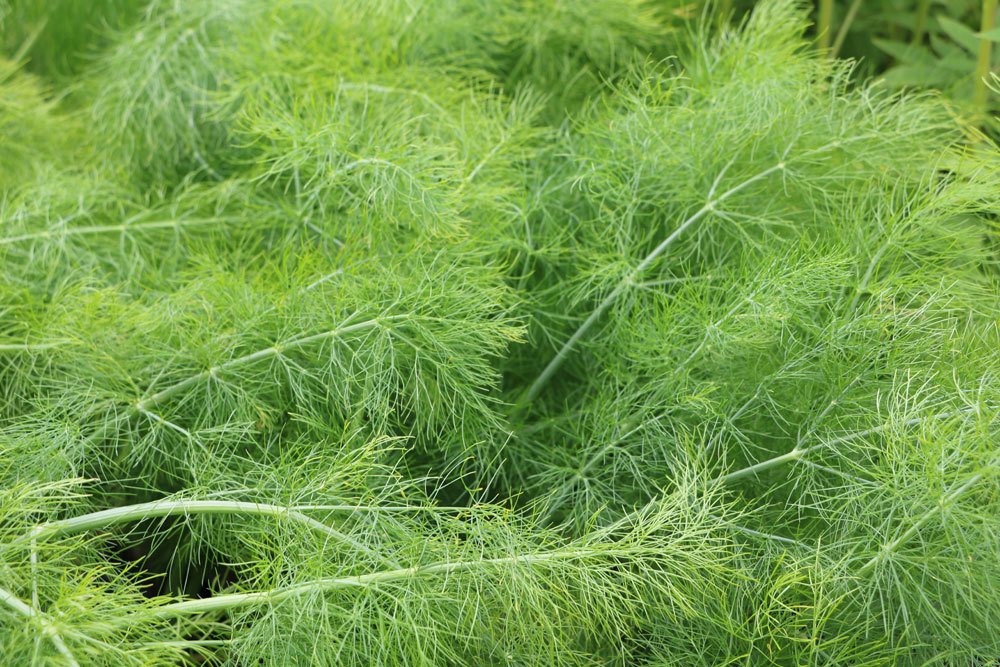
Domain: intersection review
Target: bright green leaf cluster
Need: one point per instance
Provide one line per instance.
(488, 333)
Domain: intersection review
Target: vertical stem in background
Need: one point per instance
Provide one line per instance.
(824, 24)
(897, 7)
(724, 12)
(920, 25)
(845, 26)
(985, 56)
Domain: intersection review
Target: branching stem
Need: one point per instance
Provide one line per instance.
(631, 278)
(390, 90)
(319, 281)
(266, 353)
(772, 537)
(536, 387)
(798, 452)
(560, 495)
(244, 600)
(108, 229)
(48, 628)
(160, 508)
(914, 528)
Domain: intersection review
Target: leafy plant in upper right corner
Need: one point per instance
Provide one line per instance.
(940, 44)
(952, 57)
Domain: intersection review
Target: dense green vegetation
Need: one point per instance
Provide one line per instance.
(490, 332)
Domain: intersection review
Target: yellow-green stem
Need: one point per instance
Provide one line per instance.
(824, 25)
(233, 601)
(985, 55)
(171, 508)
(920, 24)
(845, 26)
(48, 628)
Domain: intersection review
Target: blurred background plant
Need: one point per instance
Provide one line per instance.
(943, 44)
(500, 332)
(948, 45)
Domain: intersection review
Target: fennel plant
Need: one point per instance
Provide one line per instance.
(488, 333)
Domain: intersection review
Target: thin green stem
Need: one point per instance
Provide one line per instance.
(382, 508)
(166, 508)
(920, 24)
(169, 508)
(482, 163)
(364, 162)
(771, 537)
(532, 392)
(798, 452)
(189, 643)
(631, 278)
(266, 353)
(29, 347)
(824, 26)
(244, 600)
(48, 628)
(984, 60)
(107, 229)
(914, 528)
(762, 466)
(22, 51)
(389, 90)
(560, 494)
(845, 27)
(706, 337)
(322, 279)
(144, 405)
(163, 508)
(869, 274)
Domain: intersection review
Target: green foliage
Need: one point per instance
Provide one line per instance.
(923, 44)
(490, 333)
(59, 37)
(30, 132)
